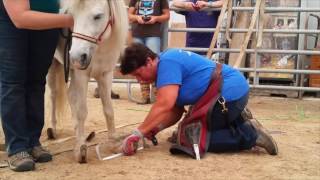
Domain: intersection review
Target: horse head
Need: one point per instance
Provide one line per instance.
(93, 21)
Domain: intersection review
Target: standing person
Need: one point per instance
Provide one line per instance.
(28, 38)
(182, 78)
(199, 19)
(146, 18)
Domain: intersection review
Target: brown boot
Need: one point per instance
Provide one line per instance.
(264, 139)
(145, 92)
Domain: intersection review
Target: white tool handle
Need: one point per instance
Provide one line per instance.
(111, 156)
(196, 151)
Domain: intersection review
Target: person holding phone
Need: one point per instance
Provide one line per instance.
(146, 18)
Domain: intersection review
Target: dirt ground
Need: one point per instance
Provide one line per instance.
(295, 125)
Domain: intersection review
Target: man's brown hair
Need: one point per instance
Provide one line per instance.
(134, 57)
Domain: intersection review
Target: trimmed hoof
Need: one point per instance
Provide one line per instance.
(81, 155)
(114, 95)
(51, 134)
(2, 147)
(96, 93)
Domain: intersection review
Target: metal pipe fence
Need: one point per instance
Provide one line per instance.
(257, 51)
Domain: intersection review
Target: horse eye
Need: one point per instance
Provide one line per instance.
(97, 17)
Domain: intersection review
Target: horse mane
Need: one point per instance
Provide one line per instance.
(121, 24)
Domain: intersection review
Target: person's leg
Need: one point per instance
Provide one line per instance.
(13, 68)
(138, 40)
(42, 46)
(13, 73)
(154, 43)
(230, 133)
(145, 87)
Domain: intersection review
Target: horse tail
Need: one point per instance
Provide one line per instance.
(58, 94)
(61, 87)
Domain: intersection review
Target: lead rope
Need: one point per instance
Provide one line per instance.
(66, 55)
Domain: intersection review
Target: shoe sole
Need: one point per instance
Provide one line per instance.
(22, 168)
(43, 159)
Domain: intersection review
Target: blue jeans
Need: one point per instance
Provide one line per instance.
(152, 43)
(230, 133)
(25, 56)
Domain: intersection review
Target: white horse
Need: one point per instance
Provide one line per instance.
(99, 35)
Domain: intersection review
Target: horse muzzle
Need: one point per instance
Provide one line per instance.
(81, 62)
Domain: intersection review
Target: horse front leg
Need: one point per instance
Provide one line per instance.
(104, 84)
(77, 94)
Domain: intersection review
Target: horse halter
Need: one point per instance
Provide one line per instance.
(95, 40)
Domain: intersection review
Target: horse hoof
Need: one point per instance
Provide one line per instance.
(2, 147)
(83, 154)
(90, 136)
(96, 93)
(51, 134)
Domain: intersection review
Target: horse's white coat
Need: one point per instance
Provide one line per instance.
(103, 60)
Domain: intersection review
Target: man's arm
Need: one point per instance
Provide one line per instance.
(164, 113)
(210, 4)
(133, 17)
(183, 4)
(22, 17)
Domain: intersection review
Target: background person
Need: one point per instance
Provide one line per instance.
(28, 38)
(146, 18)
(195, 18)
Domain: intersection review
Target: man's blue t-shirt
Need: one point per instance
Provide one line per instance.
(193, 73)
(200, 19)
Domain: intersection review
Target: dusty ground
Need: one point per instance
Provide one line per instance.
(295, 124)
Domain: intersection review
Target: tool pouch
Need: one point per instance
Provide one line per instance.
(193, 137)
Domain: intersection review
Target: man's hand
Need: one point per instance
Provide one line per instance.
(130, 143)
(152, 133)
(153, 19)
(139, 19)
(202, 4)
(189, 6)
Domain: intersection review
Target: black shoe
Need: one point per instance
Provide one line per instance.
(40, 154)
(21, 161)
